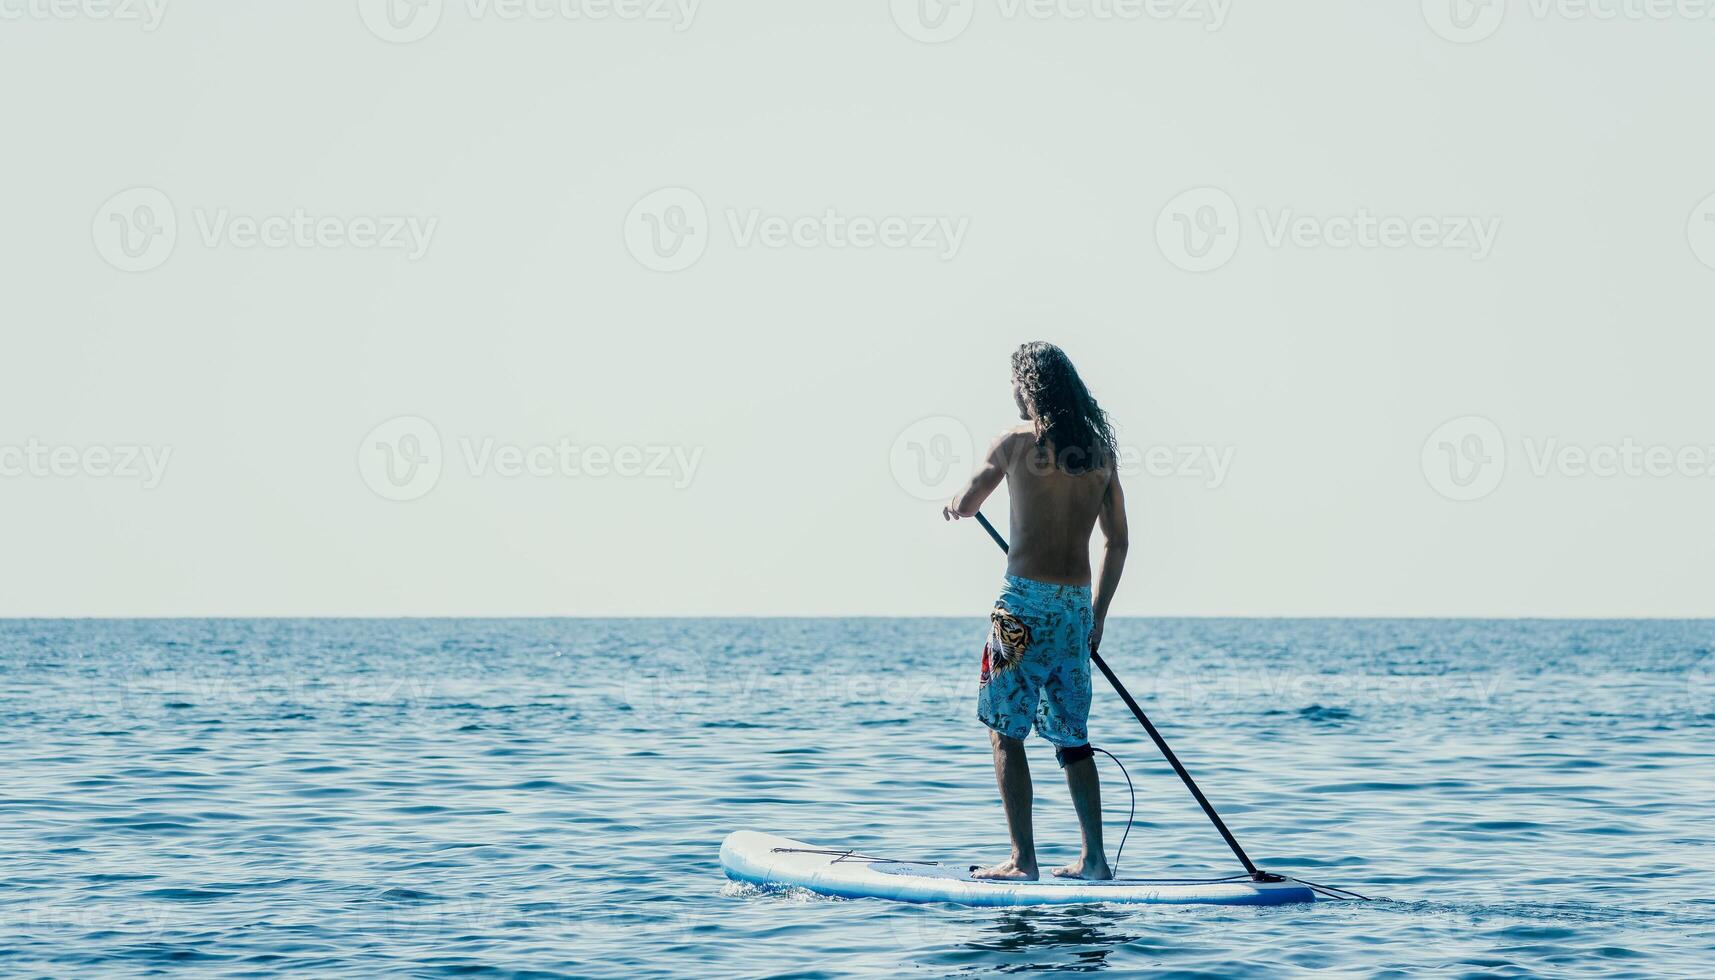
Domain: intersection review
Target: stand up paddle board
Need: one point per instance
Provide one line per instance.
(765, 859)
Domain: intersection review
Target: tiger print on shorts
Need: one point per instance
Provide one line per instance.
(1012, 638)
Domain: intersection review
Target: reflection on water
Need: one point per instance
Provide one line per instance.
(1087, 932)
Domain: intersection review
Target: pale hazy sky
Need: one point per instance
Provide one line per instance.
(320, 308)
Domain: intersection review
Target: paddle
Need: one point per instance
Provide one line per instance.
(1160, 742)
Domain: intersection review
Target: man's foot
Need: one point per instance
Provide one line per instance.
(1088, 870)
(1010, 870)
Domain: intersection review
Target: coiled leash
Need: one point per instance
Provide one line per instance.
(1130, 816)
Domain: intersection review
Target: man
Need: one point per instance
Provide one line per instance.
(1061, 475)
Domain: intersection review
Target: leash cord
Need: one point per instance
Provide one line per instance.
(1130, 817)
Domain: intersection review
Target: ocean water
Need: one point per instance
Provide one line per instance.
(547, 797)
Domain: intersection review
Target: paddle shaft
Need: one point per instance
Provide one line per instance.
(1160, 742)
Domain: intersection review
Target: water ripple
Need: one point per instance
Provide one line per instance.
(428, 798)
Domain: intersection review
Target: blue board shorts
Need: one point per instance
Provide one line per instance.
(1036, 663)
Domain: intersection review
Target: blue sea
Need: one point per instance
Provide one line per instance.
(546, 798)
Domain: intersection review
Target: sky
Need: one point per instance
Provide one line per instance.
(585, 308)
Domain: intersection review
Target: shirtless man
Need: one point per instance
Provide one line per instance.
(1060, 473)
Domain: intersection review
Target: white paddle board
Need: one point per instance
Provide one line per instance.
(765, 859)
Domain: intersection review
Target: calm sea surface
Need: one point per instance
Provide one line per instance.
(547, 797)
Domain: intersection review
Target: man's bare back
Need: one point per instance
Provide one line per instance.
(1053, 511)
(1052, 514)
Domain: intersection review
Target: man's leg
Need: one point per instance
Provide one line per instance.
(1086, 787)
(1012, 772)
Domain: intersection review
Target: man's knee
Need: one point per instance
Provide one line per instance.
(1005, 743)
(1072, 753)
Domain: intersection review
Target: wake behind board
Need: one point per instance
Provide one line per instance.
(765, 859)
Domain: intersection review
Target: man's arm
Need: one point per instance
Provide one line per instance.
(983, 482)
(1118, 540)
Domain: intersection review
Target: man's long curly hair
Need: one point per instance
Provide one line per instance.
(1066, 414)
